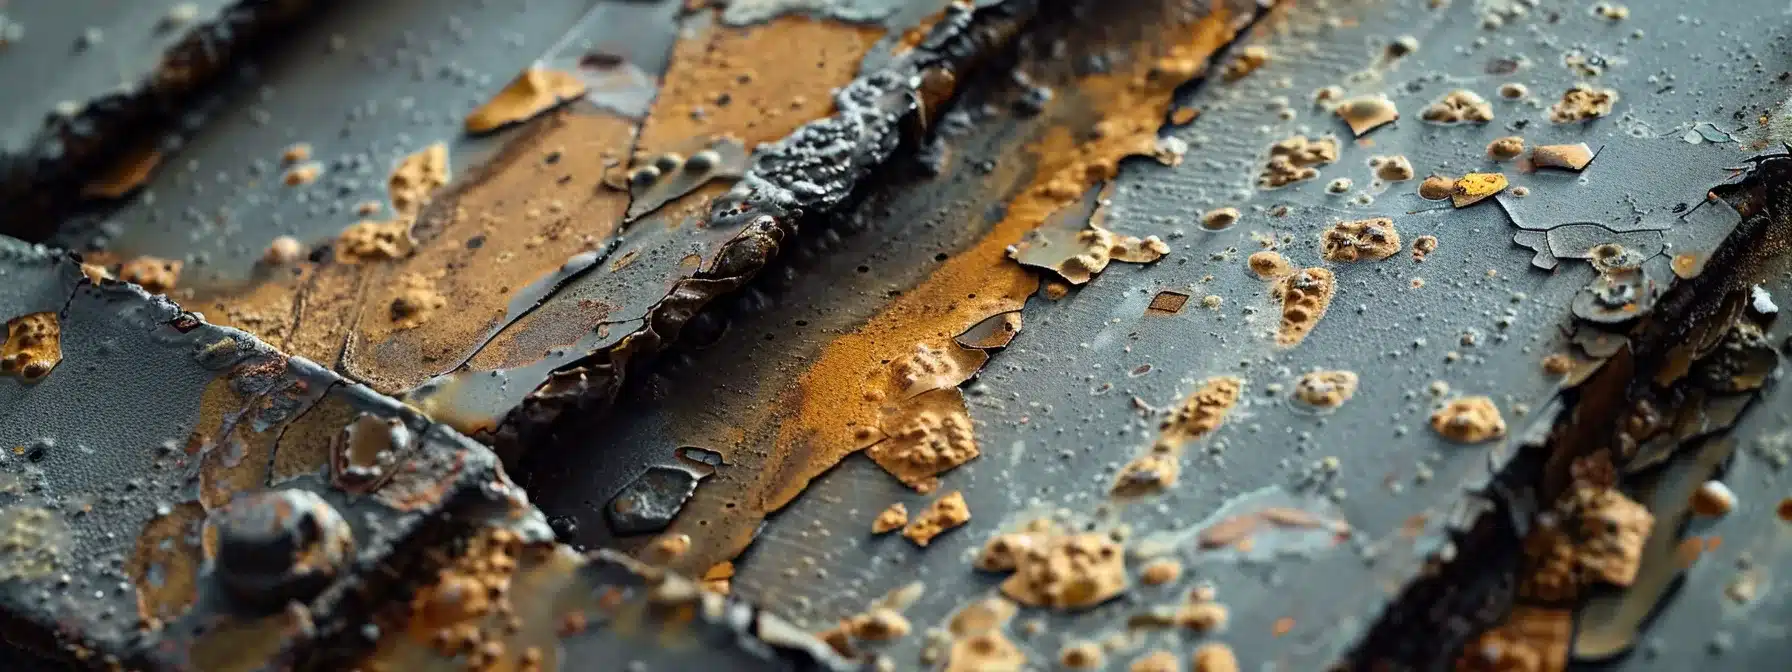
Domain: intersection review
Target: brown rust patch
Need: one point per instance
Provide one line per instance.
(528, 220)
(1068, 571)
(1325, 390)
(978, 643)
(534, 91)
(843, 392)
(1365, 239)
(153, 274)
(945, 513)
(1197, 417)
(33, 346)
(1530, 640)
(233, 457)
(757, 83)
(503, 605)
(1215, 657)
(1583, 102)
(926, 437)
(890, 519)
(164, 567)
(1305, 296)
(1295, 159)
(533, 215)
(1469, 420)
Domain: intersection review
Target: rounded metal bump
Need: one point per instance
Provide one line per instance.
(279, 546)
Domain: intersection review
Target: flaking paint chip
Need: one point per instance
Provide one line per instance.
(1367, 113)
(1362, 240)
(534, 91)
(890, 519)
(1476, 187)
(1573, 157)
(945, 513)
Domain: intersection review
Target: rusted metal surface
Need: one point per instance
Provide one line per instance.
(181, 496)
(1430, 320)
(84, 79)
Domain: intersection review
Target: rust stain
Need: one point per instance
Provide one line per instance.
(164, 567)
(303, 446)
(844, 393)
(757, 83)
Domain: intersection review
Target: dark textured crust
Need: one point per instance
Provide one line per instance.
(1608, 416)
(809, 173)
(265, 423)
(39, 184)
(728, 632)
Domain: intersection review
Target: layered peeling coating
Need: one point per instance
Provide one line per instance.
(1019, 400)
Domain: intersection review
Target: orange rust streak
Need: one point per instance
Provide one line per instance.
(842, 392)
(125, 176)
(775, 76)
(526, 218)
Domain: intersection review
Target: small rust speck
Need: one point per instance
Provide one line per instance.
(1713, 499)
(1583, 102)
(890, 519)
(1219, 218)
(1469, 420)
(1161, 571)
(947, 512)
(1156, 661)
(1506, 148)
(1422, 246)
(1437, 188)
